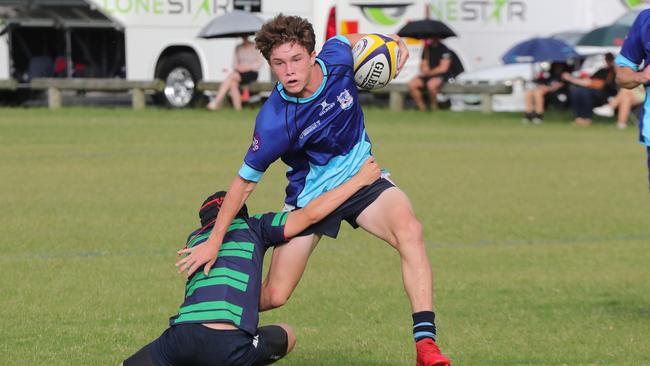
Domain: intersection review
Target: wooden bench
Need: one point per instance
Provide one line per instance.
(8, 84)
(54, 86)
(397, 93)
(486, 91)
(255, 87)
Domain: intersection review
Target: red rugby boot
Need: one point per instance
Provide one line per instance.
(429, 354)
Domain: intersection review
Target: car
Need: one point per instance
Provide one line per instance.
(520, 77)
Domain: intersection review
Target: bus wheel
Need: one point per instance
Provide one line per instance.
(181, 73)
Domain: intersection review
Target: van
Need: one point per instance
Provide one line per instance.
(157, 39)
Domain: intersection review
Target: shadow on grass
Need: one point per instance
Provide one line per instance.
(334, 356)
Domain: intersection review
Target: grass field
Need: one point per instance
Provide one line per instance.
(538, 235)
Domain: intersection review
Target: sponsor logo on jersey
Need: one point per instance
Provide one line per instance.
(309, 129)
(345, 99)
(325, 107)
(257, 142)
(256, 340)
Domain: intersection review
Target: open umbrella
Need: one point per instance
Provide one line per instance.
(611, 35)
(539, 50)
(426, 28)
(236, 23)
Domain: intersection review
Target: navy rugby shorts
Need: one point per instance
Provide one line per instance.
(349, 210)
(197, 345)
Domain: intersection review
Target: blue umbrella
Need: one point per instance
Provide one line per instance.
(539, 50)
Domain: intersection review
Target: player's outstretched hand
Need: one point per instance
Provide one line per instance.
(403, 53)
(197, 256)
(369, 172)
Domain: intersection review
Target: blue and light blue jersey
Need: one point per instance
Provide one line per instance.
(635, 54)
(321, 138)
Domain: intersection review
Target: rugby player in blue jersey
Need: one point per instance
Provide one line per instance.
(217, 324)
(314, 123)
(634, 55)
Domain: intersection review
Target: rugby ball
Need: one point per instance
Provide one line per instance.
(376, 57)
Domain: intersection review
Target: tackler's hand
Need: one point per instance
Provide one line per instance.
(403, 52)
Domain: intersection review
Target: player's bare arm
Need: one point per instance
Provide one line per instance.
(206, 254)
(319, 208)
(442, 67)
(403, 50)
(630, 79)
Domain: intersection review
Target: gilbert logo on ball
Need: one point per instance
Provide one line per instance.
(376, 57)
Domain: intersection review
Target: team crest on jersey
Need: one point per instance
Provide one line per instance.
(257, 141)
(325, 107)
(345, 99)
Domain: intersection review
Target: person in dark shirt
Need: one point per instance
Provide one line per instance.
(547, 82)
(438, 65)
(217, 324)
(587, 93)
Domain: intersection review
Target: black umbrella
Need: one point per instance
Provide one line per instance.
(611, 35)
(426, 28)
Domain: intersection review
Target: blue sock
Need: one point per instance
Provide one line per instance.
(424, 325)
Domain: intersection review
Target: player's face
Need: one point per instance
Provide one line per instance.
(292, 65)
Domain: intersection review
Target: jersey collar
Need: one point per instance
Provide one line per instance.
(289, 98)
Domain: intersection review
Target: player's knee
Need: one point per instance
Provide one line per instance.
(279, 340)
(409, 233)
(291, 336)
(414, 84)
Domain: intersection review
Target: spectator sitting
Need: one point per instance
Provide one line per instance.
(625, 100)
(438, 65)
(587, 93)
(547, 82)
(246, 64)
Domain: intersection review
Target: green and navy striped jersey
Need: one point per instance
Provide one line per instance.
(230, 293)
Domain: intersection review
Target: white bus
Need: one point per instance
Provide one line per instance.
(148, 39)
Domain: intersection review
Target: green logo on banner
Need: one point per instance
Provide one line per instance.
(486, 11)
(385, 15)
(634, 3)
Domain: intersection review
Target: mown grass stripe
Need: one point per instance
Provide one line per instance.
(212, 305)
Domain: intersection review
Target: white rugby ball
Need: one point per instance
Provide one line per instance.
(376, 57)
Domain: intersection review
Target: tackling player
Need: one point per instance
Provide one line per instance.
(217, 324)
(314, 123)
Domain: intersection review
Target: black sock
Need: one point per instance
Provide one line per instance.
(424, 325)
